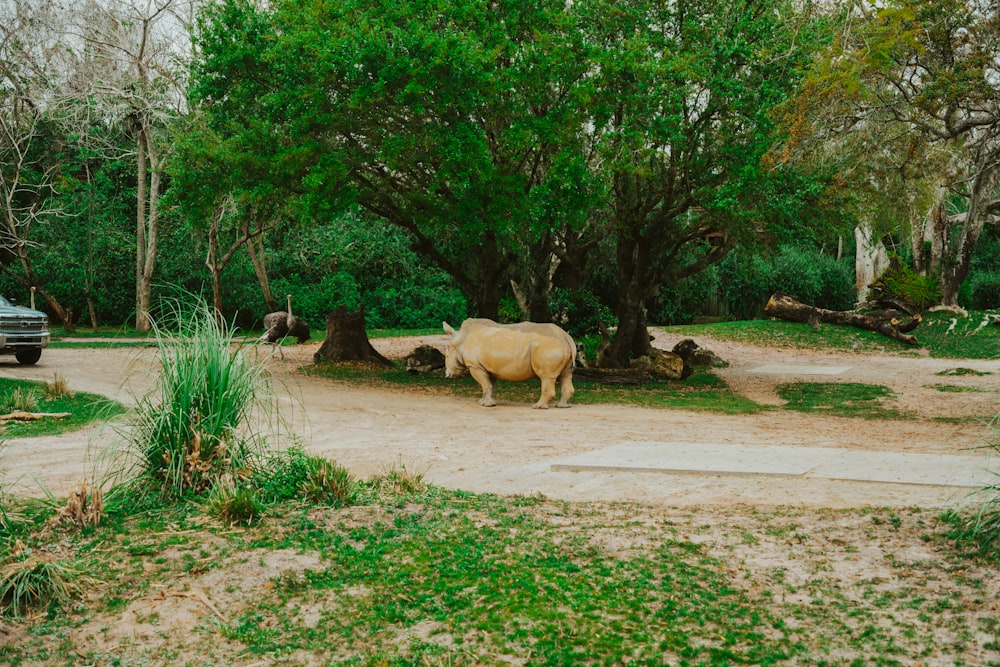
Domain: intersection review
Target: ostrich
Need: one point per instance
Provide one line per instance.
(282, 323)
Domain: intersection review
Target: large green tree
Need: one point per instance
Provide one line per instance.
(681, 120)
(460, 122)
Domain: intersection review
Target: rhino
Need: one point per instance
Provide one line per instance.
(491, 351)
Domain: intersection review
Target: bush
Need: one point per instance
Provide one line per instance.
(578, 311)
(899, 282)
(984, 291)
(811, 276)
(682, 302)
(199, 426)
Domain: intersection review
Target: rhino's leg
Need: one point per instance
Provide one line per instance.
(548, 393)
(485, 381)
(566, 390)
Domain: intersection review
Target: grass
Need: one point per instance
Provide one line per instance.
(449, 578)
(292, 560)
(29, 582)
(848, 399)
(209, 419)
(703, 391)
(83, 408)
(937, 335)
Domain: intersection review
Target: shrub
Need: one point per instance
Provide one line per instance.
(811, 276)
(31, 583)
(578, 311)
(681, 302)
(984, 291)
(199, 426)
(901, 283)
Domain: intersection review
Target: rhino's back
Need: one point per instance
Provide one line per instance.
(515, 352)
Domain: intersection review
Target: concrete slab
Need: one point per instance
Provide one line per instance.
(792, 369)
(788, 461)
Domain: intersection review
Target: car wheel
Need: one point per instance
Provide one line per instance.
(29, 357)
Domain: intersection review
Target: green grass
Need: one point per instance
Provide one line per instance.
(848, 399)
(703, 391)
(83, 408)
(451, 578)
(935, 335)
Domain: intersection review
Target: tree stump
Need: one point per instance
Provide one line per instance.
(346, 339)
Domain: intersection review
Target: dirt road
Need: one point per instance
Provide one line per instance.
(510, 449)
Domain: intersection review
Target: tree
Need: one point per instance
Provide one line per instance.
(32, 146)
(460, 123)
(911, 87)
(135, 71)
(683, 93)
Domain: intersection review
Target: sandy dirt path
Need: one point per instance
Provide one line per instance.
(510, 449)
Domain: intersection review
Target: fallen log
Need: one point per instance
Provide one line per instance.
(888, 323)
(21, 415)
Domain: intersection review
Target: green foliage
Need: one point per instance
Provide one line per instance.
(30, 583)
(748, 279)
(681, 302)
(579, 312)
(983, 290)
(199, 426)
(295, 475)
(901, 283)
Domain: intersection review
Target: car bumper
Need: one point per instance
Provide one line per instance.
(15, 343)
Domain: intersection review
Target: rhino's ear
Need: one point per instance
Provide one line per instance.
(448, 328)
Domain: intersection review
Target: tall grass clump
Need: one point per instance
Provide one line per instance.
(979, 531)
(201, 424)
(30, 583)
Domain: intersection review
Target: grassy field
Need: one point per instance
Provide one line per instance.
(402, 573)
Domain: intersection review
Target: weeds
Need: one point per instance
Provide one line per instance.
(30, 583)
(201, 425)
(58, 388)
(293, 475)
(22, 399)
(979, 532)
(235, 506)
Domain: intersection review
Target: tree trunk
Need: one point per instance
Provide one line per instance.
(631, 338)
(871, 260)
(256, 250)
(141, 314)
(962, 238)
(886, 323)
(346, 339)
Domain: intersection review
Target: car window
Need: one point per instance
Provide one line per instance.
(4, 302)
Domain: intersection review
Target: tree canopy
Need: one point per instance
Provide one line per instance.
(508, 138)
